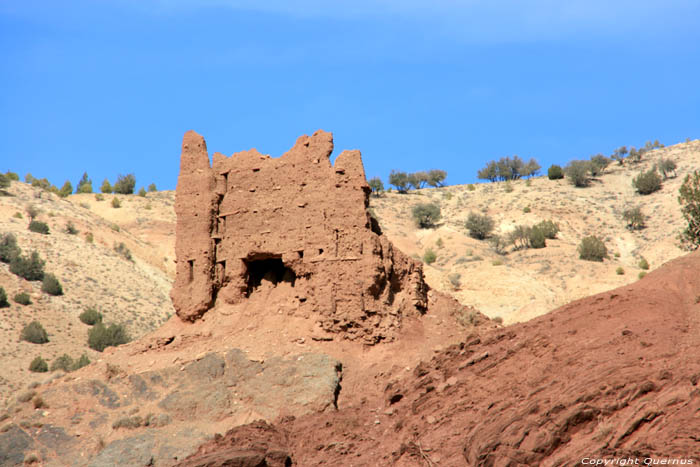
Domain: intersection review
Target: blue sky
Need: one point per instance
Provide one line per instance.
(110, 86)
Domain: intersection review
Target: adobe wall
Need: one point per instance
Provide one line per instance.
(297, 224)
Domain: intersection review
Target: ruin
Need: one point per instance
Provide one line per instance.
(299, 224)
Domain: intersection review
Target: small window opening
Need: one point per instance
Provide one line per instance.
(320, 251)
(221, 271)
(267, 269)
(300, 253)
(190, 264)
(225, 181)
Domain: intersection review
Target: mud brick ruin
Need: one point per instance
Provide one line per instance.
(296, 228)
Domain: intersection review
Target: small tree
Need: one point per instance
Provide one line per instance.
(152, 187)
(125, 184)
(32, 212)
(689, 199)
(84, 185)
(436, 178)
(31, 269)
(399, 180)
(598, 164)
(376, 185)
(490, 172)
(577, 173)
(634, 218)
(531, 169)
(100, 336)
(8, 248)
(555, 172)
(619, 154)
(66, 189)
(592, 249)
(142, 192)
(479, 226)
(647, 182)
(39, 227)
(667, 167)
(38, 365)
(3, 298)
(426, 215)
(35, 333)
(106, 187)
(417, 180)
(90, 317)
(51, 285)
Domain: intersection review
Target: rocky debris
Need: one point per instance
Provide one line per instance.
(295, 228)
(615, 375)
(149, 418)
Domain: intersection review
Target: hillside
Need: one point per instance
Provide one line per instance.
(134, 293)
(527, 283)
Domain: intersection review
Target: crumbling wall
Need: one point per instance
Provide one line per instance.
(297, 224)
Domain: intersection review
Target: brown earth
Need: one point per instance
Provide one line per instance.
(610, 376)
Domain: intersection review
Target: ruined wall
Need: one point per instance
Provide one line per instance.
(296, 224)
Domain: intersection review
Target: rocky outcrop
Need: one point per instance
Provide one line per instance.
(296, 224)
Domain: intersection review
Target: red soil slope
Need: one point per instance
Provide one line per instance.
(610, 376)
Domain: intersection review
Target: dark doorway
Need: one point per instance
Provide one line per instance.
(270, 269)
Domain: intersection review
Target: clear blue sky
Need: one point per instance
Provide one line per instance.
(110, 86)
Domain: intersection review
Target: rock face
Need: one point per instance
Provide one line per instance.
(296, 228)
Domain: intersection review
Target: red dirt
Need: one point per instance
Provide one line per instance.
(610, 376)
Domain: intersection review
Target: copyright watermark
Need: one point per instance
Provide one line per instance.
(637, 461)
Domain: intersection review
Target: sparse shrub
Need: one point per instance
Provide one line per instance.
(555, 172)
(497, 262)
(454, 279)
(598, 164)
(592, 249)
(64, 362)
(647, 182)
(4, 181)
(100, 336)
(70, 228)
(643, 263)
(39, 403)
(527, 209)
(115, 227)
(519, 237)
(426, 215)
(31, 269)
(81, 362)
(497, 244)
(38, 365)
(3, 298)
(508, 187)
(376, 185)
(35, 333)
(399, 180)
(9, 248)
(471, 187)
(641, 274)
(23, 298)
(142, 192)
(480, 226)
(429, 256)
(447, 196)
(128, 422)
(549, 228)
(439, 243)
(689, 199)
(89, 237)
(12, 176)
(123, 251)
(116, 203)
(39, 227)
(125, 184)
(536, 238)
(619, 271)
(32, 211)
(99, 197)
(51, 285)
(90, 316)
(65, 190)
(18, 215)
(84, 185)
(577, 172)
(152, 188)
(617, 254)
(106, 187)
(528, 182)
(667, 167)
(634, 217)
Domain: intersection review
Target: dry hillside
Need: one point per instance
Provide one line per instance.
(527, 283)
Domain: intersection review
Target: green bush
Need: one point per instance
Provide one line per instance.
(116, 203)
(577, 172)
(619, 271)
(689, 199)
(527, 209)
(38, 365)
(429, 256)
(4, 181)
(142, 192)
(643, 264)
(23, 298)
(81, 362)
(39, 227)
(549, 228)
(89, 237)
(51, 285)
(479, 226)
(64, 362)
(99, 197)
(426, 215)
(90, 316)
(31, 269)
(471, 187)
(634, 217)
(152, 187)
(536, 238)
(555, 172)
(66, 189)
(84, 185)
(647, 182)
(592, 249)
(3, 298)
(12, 176)
(35, 333)
(106, 187)
(641, 274)
(125, 184)
(100, 336)
(8, 248)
